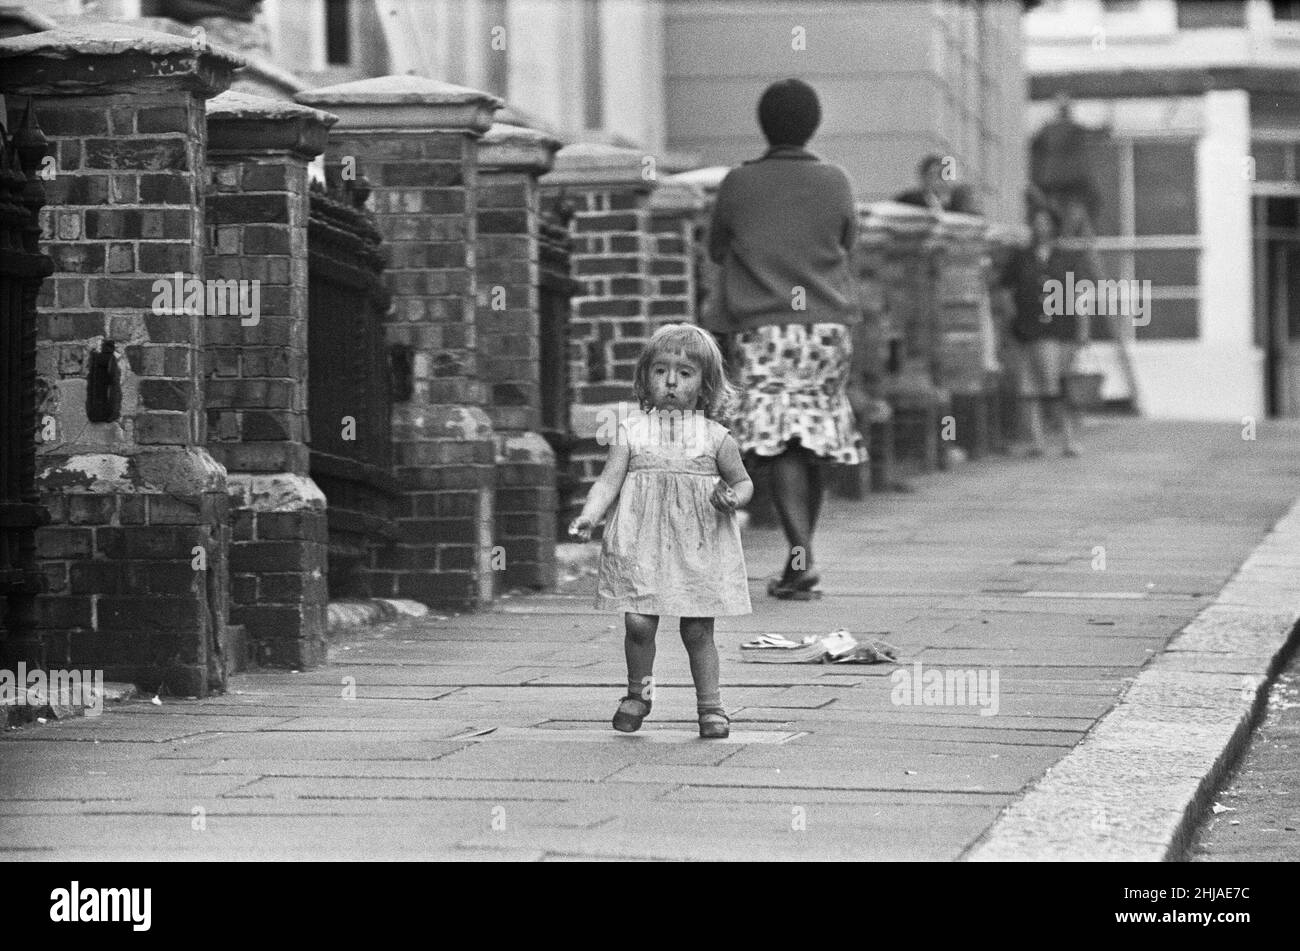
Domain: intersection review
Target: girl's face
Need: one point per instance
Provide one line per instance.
(675, 381)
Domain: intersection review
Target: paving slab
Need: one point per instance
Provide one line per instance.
(486, 736)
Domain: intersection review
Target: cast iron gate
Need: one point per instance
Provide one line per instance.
(350, 390)
(555, 287)
(22, 269)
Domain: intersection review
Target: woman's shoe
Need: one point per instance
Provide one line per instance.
(800, 588)
(714, 725)
(626, 718)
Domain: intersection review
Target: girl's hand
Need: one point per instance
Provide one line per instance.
(581, 528)
(723, 498)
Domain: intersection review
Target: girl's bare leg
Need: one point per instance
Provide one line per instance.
(639, 648)
(697, 635)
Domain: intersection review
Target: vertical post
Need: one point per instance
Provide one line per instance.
(676, 210)
(256, 387)
(24, 268)
(510, 160)
(416, 141)
(960, 342)
(909, 270)
(136, 552)
(608, 190)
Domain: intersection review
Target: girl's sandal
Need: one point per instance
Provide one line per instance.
(714, 725)
(626, 719)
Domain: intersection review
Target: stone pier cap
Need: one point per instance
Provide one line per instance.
(243, 122)
(111, 58)
(410, 103)
(514, 147)
(596, 166)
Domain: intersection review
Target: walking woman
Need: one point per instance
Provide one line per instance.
(782, 232)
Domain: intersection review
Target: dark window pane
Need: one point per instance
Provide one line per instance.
(1170, 320)
(1105, 177)
(1270, 161)
(1281, 213)
(1164, 188)
(1112, 263)
(1194, 14)
(338, 32)
(1286, 9)
(1167, 268)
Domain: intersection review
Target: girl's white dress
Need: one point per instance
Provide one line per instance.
(667, 550)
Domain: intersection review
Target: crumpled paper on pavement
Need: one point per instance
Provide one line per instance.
(838, 647)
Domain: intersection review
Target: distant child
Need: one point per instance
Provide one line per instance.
(672, 545)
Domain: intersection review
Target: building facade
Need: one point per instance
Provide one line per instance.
(899, 79)
(1198, 185)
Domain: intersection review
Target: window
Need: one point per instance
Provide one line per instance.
(1276, 161)
(1198, 14)
(1286, 10)
(1147, 229)
(1164, 188)
(338, 32)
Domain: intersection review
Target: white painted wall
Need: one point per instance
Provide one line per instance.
(1219, 375)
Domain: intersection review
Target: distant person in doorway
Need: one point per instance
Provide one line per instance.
(1047, 344)
(939, 190)
(783, 230)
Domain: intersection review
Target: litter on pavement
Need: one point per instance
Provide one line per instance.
(838, 647)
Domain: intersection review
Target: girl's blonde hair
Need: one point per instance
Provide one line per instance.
(718, 397)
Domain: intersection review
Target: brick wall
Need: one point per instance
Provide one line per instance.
(415, 141)
(507, 324)
(135, 551)
(256, 371)
(607, 191)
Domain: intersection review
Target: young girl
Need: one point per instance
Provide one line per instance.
(673, 545)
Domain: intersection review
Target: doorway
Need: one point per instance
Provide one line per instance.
(1277, 300)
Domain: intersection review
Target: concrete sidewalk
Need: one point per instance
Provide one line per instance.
(486, 736)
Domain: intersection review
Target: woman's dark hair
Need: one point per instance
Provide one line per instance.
(789, 112)
(928, 163)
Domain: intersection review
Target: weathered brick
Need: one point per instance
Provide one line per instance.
(98, 577)
(166, 429)
(165, 394)
(252, 209)
(74, 121)
(146, 541)
(176, 578)
(162, 119)
(175, 510)
(162, 189)
(150, 154)
(63, 612)
(63, 542)
(290, 525)
(284, 556)
(165, 257)
(134, 614)
(91, 509)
